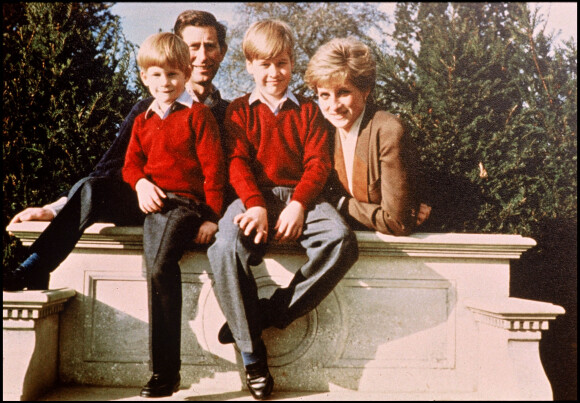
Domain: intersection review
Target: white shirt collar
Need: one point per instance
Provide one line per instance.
(184, 99)
(256, 95)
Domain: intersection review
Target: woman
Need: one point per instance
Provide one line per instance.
(374, 181)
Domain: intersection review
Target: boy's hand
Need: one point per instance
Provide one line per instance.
(290, 222)
(424, 212)
(206, 232)
(255, 218)
(150, 196)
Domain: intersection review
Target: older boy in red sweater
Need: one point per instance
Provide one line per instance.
(279, 160)
(175, 164)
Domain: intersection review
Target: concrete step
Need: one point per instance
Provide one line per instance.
(95, 393)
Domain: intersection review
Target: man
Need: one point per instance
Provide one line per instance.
(103, 196)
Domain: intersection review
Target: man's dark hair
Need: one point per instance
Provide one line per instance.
(199, 18)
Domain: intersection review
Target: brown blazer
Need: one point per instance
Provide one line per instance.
(384, 175)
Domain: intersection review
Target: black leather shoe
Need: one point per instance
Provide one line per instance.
(22, 278)
(161, 385)
(259, 380)
(11, 281)
(225, 335)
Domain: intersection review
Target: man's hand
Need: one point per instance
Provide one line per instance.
(33, 214)
(206, 232)
(423, 214)
(255, 218)
(150, 196)
(290, 222)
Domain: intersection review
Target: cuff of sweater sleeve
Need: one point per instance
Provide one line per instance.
(255, 201)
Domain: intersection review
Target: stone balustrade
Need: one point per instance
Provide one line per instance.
(30, 341)
(424, 317)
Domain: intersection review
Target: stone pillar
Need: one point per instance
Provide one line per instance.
(30, 341)
(510, 330)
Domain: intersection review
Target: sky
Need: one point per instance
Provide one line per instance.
(139, 20)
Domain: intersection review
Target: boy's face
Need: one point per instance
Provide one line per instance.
(165, 83)
(272, 76)
(204, 52)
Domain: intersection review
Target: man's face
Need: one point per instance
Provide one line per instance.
(204, 52)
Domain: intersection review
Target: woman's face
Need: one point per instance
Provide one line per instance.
(342, 103)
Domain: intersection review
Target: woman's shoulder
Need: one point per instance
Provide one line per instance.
(383, 115)
(382, 119)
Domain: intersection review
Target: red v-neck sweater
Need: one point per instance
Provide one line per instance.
(181, 154)
(266, 150)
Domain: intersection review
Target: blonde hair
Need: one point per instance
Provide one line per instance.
(164, 49)
(341, 60)
(268, 39)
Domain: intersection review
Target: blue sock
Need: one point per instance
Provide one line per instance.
(256, 356)
(31, 261)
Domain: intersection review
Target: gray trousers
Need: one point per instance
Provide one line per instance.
(331, 249)
(166, 235)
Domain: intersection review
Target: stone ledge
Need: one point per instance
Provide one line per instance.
(515, 313)
(30, 305)
(30, 341)
(453, 245)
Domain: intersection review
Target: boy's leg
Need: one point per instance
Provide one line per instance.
(237, 293)
(234, 283)
(165, 237)
(332, 249)
(90, 200)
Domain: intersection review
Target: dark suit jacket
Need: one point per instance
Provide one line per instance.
(384, 196)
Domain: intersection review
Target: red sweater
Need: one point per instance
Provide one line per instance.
(266, 150)
(181, 154)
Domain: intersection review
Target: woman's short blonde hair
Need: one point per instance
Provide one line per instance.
(164, 49)
(341, 60)
(268, 39)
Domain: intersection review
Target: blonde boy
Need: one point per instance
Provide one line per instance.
(175, 164)
(279, 160)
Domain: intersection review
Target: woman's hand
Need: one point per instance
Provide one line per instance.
(290, 222)
(423, 214)
(206, 232)
(254, 219)
(150, 196)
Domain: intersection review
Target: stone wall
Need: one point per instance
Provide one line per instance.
(423, 317)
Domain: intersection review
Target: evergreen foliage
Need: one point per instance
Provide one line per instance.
(65, 95)
(493, 109)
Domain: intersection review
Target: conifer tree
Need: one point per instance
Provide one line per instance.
(492, 110)
(65, 93)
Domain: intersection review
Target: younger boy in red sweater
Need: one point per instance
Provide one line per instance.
(279, 159)
(175, 164)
